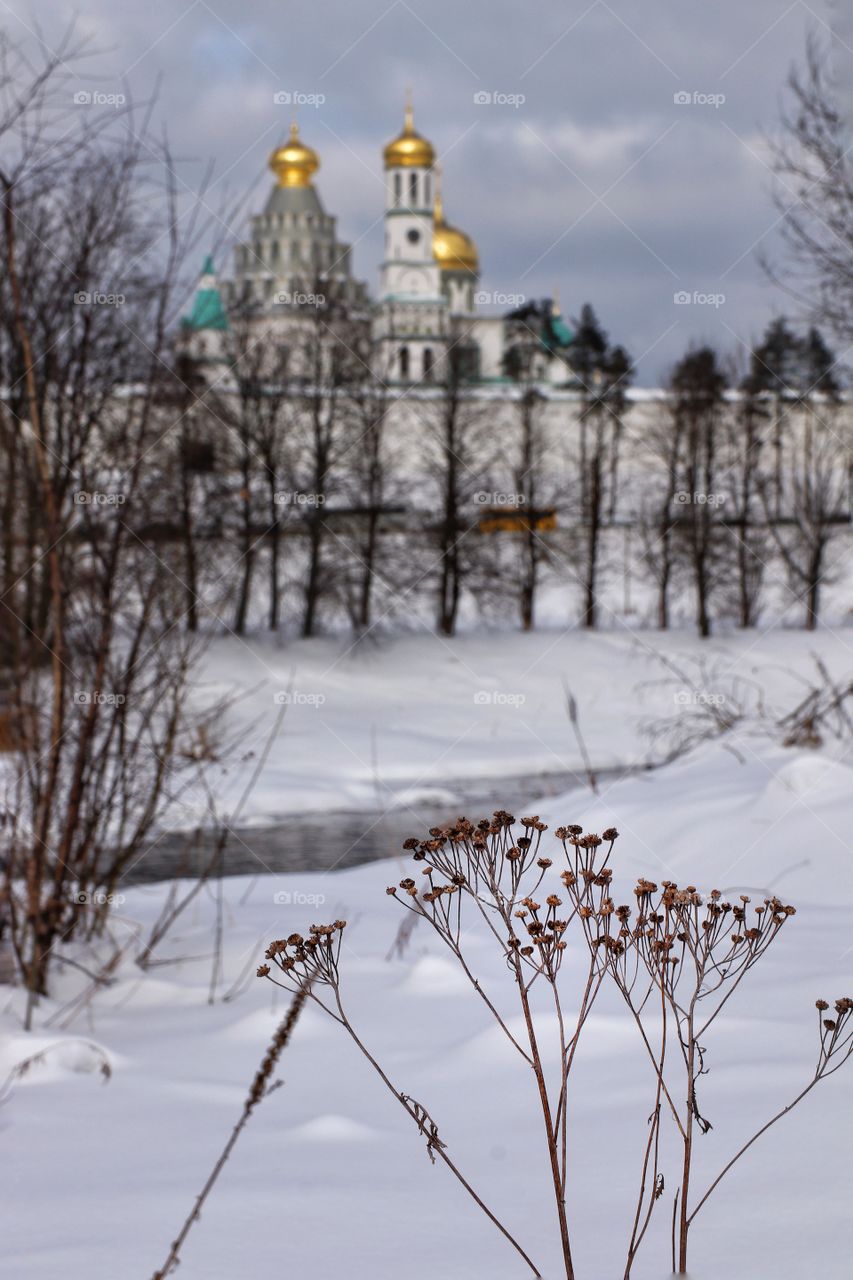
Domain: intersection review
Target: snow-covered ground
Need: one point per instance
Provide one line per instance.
(382, 724)
(329, 1178)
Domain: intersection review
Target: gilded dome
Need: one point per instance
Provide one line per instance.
(409, 150)
(451, 248)
(294, 164)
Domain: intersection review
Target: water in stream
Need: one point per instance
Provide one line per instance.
(324, 841)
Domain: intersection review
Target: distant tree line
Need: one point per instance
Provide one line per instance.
(306, 503)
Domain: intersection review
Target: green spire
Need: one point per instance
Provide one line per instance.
(557, 332)
(561, 331)
(207, 309)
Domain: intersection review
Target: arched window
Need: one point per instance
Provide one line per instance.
(413, 190)
(404, 362)
(427, 201)
(398, 188)
(427, 364)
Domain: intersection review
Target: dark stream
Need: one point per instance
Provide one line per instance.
(323, 841)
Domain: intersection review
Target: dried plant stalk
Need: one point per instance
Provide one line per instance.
(260, 1089)
(312, 964)
(677, 959)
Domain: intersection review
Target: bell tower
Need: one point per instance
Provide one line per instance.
(412, 304)
(409, 269)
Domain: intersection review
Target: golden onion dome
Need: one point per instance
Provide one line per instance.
(409, 150)
(294, 164)
(451, 248)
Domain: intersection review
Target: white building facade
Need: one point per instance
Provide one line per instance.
(424, 325)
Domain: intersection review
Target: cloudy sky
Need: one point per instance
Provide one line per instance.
(622, 158)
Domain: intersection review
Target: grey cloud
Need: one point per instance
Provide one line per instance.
(687, 190)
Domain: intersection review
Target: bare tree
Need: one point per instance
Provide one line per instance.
(251, 410)
(371, 529)
(332, 360)
(457, 456)
(744, 431)
(815, 196)
(657, 512)
(817, 501)
(530, 486)
(98, 670)
(697, 387)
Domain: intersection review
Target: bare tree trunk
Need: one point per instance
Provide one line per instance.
(247, 547)
(274, 537)
(188, 533)
(370, 550)
(593, 517)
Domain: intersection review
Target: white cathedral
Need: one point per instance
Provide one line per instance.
(427, 304)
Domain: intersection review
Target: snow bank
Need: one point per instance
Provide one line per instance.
(330, 1178)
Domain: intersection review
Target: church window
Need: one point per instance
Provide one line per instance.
(413, 190)
(426, 192)
(398, 188)
(413, 235)
(404, 362)
(427, 364)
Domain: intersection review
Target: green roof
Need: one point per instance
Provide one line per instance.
(207, 309)
(561, 331)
